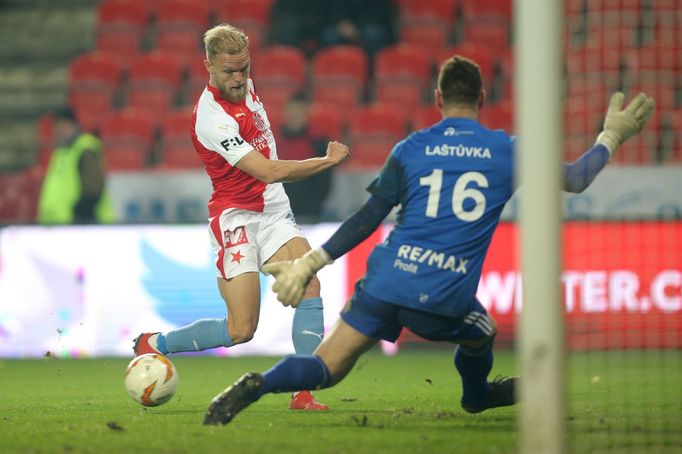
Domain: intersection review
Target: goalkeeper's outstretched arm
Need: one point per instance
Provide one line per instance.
(292, 277)
(620, 124)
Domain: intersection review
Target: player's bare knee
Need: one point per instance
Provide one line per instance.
(241, 333)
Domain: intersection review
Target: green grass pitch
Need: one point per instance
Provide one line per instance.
(619, 402)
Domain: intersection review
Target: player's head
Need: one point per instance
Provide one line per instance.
(228, 61)
(459, 85)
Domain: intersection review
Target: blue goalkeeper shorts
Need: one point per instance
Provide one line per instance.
(381, 319)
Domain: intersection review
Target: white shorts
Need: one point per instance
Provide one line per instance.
(244, 240)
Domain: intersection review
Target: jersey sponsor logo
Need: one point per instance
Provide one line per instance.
(411, 257)
(449, 132)
(460, 151)
(235, 237)
(231, 142)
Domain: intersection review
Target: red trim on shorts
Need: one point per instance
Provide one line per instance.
(215, 228)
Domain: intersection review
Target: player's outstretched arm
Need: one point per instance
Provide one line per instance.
(292, 277)
(620, 124)
(276, 171)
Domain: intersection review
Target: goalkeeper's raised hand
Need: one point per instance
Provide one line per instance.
(621, 124)
(293, 277)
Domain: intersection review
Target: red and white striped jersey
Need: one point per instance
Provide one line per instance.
(222, 133)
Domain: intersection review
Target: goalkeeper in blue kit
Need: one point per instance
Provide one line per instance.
(451, 181)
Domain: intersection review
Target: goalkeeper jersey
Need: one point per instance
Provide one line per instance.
(451, 181)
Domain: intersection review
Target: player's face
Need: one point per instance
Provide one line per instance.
(230, 75)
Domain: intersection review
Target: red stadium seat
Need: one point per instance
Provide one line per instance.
(369, 153)
(640, 149)
(582, 117)
(279, 72)
(403, 62)
(274, 96)
(121, 24)
(130, 14)
(376, 119)
(660, 86)
(182, 15)
(590, 89)
(432, 38)
(427, 23)
(434, 11)
(19, 200)
(340, 64)
(373, 131)
(119, 41)
(498, 116)
(95, 67)
(325, 121)
(154, 80)
(575, 145)
(344, 97)
(492, 34)
(488, 9)
(279, 65)
(128, 135)
(339, 75)
(185, 43)
(659, 58)
(178, 151)
(617, 35)
(94, 79)
(426, 116)
(244, 12)
(402, 74)
(252, 16)
(407, 96)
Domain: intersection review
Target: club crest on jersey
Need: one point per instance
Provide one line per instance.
(260, 122)
(235, 237)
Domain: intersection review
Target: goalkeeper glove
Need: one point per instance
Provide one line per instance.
(293, 277)
(621, 124)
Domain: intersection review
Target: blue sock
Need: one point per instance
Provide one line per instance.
(474, 366)
(200, 335)
(307, 329)
(296, 373)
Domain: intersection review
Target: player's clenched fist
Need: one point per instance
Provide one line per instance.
(337, 152)
(291, 278)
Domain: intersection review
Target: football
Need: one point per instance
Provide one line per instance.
(151, 379)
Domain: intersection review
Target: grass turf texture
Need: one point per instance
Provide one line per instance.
(407, 403)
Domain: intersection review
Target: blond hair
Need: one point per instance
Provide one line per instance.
(224, 39)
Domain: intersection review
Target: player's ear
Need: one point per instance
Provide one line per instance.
(438, 98)
(207, 64)
(481, 99)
